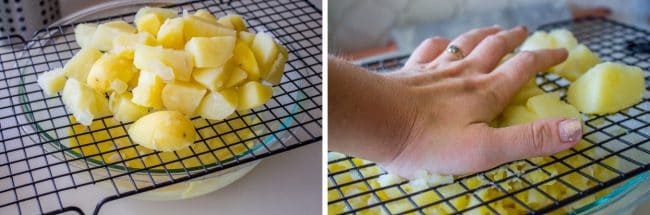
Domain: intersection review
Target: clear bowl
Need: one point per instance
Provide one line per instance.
(119, 177)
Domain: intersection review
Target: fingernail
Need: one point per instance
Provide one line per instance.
(570, 130)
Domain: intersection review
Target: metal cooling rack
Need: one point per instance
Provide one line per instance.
(623, 136)
(35, 168)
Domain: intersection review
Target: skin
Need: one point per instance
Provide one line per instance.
(433, 114)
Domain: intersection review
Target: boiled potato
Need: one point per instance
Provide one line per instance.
(237, 76)
(52, 81)
(218, 105)
(170, 34)
(550, 105)
(83, 102)
(103, 36)
(79, 66)
(149, 19)
(205, 15)
(607, 88)
(246, 37)
(149, 90)
(539, 40)
(182, 97)
(245, 59)
(253, 94)
(265, 51)
(563, 38)
(236, 21)
(124, 44)
(83, 34)
(580, 59)
(213, 78)
(169, 64)
(107, 70)
(198, 27)
(210, 52)
(516, 114)
(274, 75)
(124, 110)
(163, 131)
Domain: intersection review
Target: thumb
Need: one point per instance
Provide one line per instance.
(540, 138)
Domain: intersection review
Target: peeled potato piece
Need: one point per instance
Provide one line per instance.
(52, 81)
(218, 105)
(607, 88)
(83, 34)
(163, 131)
(253, 94)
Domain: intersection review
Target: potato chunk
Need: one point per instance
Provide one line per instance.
(245, 37)
(237, 76)
(549, 105)
(169, 64)
(245, 59)
(210, 51)
(580, 59)
(83, 34)
(206, 15)
(607, 88)
(124, 110)
(124, 44)
(79, 66)
(539, 40)
(213, 78)
(149, 19)
(265, 51)
(52, 81)
(148, 91)
(563, 38)
(234, 20)
(170, 34)
(253, 94)
(103, 37)
(163, 131)
(83, 102)
(107, 70)
(218, 105)
(182, 97)
(516, 114)
(274, 75)
(198, 27)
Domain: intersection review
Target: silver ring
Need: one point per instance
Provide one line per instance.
(455, 50)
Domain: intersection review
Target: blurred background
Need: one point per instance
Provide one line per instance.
(365, 28)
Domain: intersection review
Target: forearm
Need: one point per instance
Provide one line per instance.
(369, 116)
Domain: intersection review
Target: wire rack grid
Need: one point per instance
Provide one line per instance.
(618, 143)
(39, 161)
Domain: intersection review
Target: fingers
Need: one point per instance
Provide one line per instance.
(427, 51)
(489, 52)
(468, 41)
(540, 138)
(510, 76)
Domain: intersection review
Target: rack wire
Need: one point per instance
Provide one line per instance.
(618, 143)
(39, 162)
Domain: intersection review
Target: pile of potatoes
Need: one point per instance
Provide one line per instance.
(166, 69)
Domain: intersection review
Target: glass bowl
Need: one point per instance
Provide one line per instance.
(120, 169)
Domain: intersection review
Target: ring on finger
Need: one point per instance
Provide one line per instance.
(455, 50)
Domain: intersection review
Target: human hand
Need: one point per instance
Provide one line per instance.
(449, 101)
